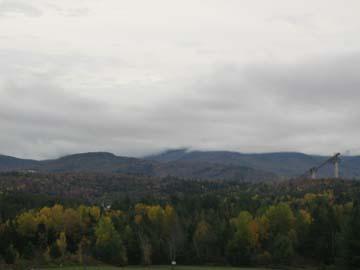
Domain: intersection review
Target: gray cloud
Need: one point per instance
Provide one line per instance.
(310, 106)
(37, 9)
(303, 107)
(122, 80)
(8, 7)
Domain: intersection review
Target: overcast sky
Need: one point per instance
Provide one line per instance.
(136, 77)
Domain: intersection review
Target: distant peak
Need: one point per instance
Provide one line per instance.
(91, 154)
(170, 154)
(178, 150)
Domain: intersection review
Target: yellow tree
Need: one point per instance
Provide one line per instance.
(27, 224)
(141, 220)
(61, 244)
(245, 240)
(172, 231)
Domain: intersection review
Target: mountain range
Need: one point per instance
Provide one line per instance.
(283, 164)
(183, 163)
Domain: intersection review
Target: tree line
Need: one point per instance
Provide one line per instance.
(224, 228)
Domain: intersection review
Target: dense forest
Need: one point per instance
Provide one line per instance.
(48, 219)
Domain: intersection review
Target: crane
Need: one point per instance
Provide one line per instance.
(335, 159)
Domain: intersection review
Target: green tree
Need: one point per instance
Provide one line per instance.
(283, 249)
(204, 240)
(11, 255)
(109, 247)
(302, 227)
(323, 231)
(54, 251)
(352, 240)
(29, 251)
(281, 219)
(243, 244)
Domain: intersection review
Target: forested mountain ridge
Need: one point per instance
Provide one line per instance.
(182, 163)
(8, 163)
(286, 164)
(102, 162)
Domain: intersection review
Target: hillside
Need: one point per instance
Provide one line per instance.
(8, 163)
(205, 165)
(287, 164)
(102, 162)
